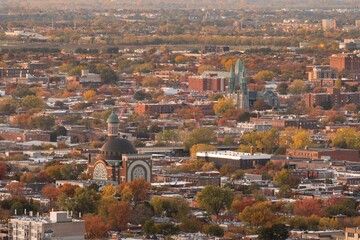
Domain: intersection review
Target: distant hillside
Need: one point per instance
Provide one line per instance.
(209, 4)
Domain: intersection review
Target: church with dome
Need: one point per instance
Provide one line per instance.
(118, 160)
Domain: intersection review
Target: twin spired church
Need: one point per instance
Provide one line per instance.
(118, 160)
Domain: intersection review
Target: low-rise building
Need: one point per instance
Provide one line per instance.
(237, 159)
(58, 225)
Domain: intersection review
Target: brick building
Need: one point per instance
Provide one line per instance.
(334, 154)
(332, 97)
(208, 82)
(156, 108)
(346, 63)
(284, 122)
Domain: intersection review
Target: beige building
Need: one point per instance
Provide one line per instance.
(352, 233)
(58, 226)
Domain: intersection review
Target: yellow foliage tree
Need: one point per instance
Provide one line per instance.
(302, 139)
(222, 106)
(89, 94)
(199, 148)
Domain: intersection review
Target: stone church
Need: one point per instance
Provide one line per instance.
(118, 160)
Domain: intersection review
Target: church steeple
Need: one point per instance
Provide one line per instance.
(113, 125)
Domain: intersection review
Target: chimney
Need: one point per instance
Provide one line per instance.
(89, 158)
(251, 150)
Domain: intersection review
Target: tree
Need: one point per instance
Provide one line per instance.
(141, 213)
(141, 95)
(202, 135)
(42, 122)
(258, 215)
(284, 177)
(119, 215)
(150, 81)
(264, 75)
(261, 105)
(200, 148)
(60, 131)
(89, 94)
(346, 138)
(3, 171)
(282, 88)
(52, 193)
(32, 102)
(215, 199)
(214, 230)
(8, 106)
(309, 207)
(238, 205)
(95, 227)
(222, 106)
(176, 207)
(190, 225)
(297, 87)
(108, 76)
(302, 139)
(139, 189)
(15, 188)
(277, 231)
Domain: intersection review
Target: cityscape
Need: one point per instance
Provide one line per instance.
(180, 120)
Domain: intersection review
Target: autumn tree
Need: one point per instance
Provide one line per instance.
(139, 189)
(175, 207)
(346, 138)
(3, 171)
(52, 193)
(119, 215)
(309, 207)
(15, 188)
(258, 215)
(151, 81)
(222, 106)
(215, 199)
(32, 102)
(284, 177)
(89, 94)
(238, 205)
(200, 148)
(96, 227)
(302, 139)
(264, 75)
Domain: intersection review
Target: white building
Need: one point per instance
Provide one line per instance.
(58, 226)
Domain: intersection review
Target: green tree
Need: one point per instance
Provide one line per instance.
(214, 230)
(215, 199)
(32, 102)
(42, 122)
(298, 87)
(141, 95)
(108, 76)
(277, 231)
(202, 135)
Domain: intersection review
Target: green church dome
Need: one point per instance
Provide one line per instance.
(113, 118)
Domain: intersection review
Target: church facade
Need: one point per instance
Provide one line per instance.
(118, 160)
